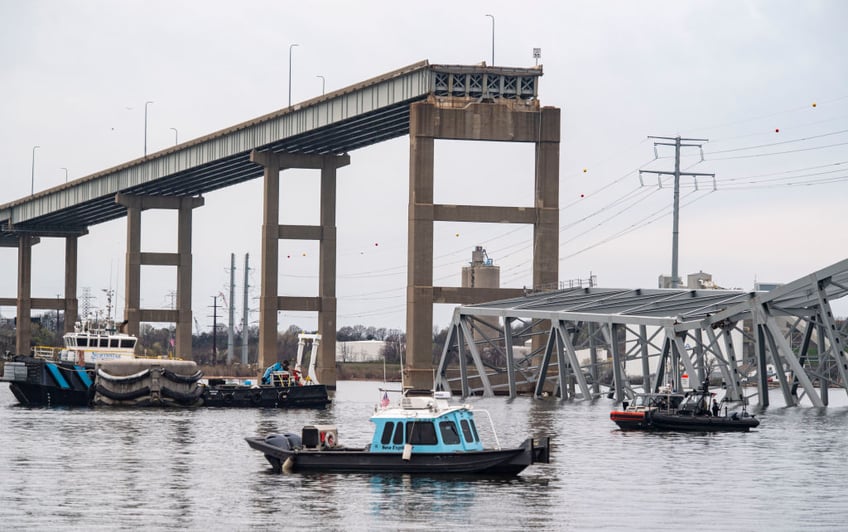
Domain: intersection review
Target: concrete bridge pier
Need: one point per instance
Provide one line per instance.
(23, 329)
(463, 119)
(25, 303)
(133, 312)
(270, 303)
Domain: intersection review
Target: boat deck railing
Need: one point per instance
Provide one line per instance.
(46, 352)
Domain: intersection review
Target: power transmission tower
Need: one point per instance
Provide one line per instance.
(86, 298)
(214, 329)
(678, 143)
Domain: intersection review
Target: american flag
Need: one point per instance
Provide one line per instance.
(384, 402)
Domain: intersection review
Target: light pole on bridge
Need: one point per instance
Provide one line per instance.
(290, 69)
(323, 82)
(145, 127)
(176, 135)
(32, 191)
(493, 37)
(66, 173)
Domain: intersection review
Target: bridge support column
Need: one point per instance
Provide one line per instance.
(270, 303)
(23, 329)
(133, 313)
(502, 120)
(71, 302)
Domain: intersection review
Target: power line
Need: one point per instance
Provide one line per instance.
(803, 139)
(779, 152)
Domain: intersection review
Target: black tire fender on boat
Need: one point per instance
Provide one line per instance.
(256, 396)
(228, 398)
(127, 379)
(283, 396)
(180, 397)
(122, 396)
(187, 379)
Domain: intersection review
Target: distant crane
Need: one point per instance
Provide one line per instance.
(196, 327)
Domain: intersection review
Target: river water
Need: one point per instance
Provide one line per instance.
(116, 469)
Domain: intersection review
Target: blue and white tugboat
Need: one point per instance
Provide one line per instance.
(423, 434)
(98, 366)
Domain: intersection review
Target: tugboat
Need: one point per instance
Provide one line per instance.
(690, 412)
(424, 434)
(98, 367)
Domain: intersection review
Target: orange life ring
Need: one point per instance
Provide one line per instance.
(330, 440)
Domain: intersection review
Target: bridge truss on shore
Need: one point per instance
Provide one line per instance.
(646, 338)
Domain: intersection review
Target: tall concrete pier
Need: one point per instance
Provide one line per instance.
(458, 119)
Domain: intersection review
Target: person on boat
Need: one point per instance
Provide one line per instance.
(285, 365)
(715, 408)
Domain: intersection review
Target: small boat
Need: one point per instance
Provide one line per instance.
(636, 415)
(424, 434)
(689, 412)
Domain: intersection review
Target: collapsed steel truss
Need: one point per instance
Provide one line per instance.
(656, 336)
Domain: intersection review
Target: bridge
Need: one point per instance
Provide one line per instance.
(657, 335)
(424, 101)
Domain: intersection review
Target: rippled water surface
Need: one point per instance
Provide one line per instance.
(191, 469)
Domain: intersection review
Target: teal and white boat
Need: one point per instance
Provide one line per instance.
(422, 434)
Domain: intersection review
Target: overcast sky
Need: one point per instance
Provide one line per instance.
(765, 81)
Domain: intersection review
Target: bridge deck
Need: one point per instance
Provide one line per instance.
(338, 122)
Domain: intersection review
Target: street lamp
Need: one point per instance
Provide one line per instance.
(33, 169)
(176, 135)
(66, 174)
(322, 84)
(145, 127)
(290, 59)
(493, 37)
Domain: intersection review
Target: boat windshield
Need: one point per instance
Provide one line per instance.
(642, 400)
(662, 401)
(697, 403)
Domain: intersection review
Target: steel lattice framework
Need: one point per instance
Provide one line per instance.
(661, 334)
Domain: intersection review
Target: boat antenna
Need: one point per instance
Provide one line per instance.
(402, 365)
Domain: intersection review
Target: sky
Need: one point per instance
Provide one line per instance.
(763, 83)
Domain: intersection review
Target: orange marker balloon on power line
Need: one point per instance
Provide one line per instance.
(814, 104)
(777, 130)
(585, 170)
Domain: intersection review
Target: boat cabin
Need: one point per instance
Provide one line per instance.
(428, 424)
(663, 400)
(93, 341)
(696, 403)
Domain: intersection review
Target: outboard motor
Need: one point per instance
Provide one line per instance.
(286, 441)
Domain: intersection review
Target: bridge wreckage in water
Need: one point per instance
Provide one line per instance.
(666, 335)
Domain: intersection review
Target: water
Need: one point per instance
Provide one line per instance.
(191, 469)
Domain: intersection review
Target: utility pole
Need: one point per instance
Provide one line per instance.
(171, 329)
(215, 329)
(232, 309)
(245, 315)
(677, 143)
